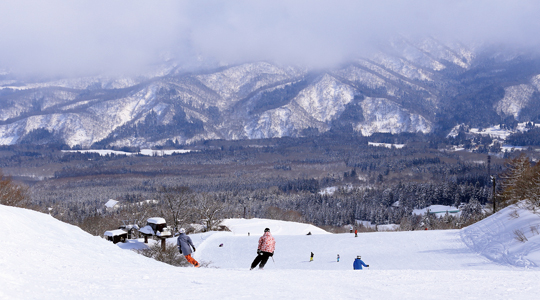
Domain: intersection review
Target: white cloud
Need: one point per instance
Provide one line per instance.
(79, 37)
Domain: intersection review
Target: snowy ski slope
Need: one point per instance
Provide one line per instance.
(43, 258)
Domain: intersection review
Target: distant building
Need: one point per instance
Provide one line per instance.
(116, 236)
(112, 205)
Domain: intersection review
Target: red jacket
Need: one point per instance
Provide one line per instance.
(267, 243)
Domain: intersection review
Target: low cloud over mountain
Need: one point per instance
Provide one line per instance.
(126, 37)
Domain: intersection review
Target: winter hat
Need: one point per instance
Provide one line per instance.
(182, 230)
(267, 230)
(358, 257)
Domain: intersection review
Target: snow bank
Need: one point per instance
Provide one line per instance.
(496, 237)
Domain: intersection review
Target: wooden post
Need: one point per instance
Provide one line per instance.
(163, 244)
(145, 239)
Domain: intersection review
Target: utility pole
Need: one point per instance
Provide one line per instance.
(493, 196)
(492, 178)
(489, 166)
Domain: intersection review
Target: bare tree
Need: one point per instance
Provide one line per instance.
(530, 189)
(176, 205)
(514, 178)
(521, 184)
(137, 213)
(97, 224)
(209, 209)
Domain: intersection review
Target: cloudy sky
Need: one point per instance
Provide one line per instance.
(95, 37)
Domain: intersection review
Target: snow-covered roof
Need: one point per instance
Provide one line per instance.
(114, 232)
(147, 230)
(111, 203)
(156, 220)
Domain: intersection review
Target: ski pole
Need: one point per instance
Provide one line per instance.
(273, 260)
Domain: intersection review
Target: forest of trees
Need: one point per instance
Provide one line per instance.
(181, 207)
(276, 178)
(527, 138)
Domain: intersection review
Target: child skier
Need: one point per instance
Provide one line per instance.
(358, 263)
(184, 243)
(266, 248)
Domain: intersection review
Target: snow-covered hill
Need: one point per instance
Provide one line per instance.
(43, 258)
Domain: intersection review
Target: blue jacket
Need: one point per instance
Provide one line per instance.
(358, 263)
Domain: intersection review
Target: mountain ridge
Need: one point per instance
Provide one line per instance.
(424, 86)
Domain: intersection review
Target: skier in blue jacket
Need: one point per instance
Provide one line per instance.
(358, 263)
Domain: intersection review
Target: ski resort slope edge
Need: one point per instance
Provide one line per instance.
(43, 258)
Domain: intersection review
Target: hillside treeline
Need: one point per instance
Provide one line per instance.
(275, 178)
(382, 205)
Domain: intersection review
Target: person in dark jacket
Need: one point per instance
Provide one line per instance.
(311, 257)
(184, 246)
(266, 248)
(358, 263)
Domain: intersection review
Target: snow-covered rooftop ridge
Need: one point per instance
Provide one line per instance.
(111, 203)
(156, 220)
(114, 232)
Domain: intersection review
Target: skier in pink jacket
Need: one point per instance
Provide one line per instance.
(266, 248)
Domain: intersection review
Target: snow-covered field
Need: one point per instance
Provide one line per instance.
(43, 258)
(438, 210)
(397, 146)
(147, 152)
(494, 131)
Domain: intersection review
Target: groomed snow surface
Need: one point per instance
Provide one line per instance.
(43, 258)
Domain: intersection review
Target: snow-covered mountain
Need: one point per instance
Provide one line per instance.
(411, 86)
(43, 258)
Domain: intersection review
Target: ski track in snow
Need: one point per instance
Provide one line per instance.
(43, 258)
(494, 238)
